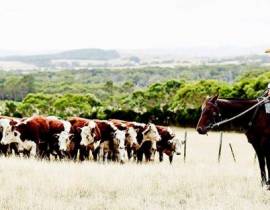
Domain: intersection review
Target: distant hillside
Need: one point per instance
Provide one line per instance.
(80, 54)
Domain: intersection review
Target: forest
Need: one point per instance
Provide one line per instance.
(160, 95)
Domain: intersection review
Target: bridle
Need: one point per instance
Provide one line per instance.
(217, 117)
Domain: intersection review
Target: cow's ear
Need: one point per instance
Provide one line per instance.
(214, 98)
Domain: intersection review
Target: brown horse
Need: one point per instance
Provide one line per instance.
(255, 124)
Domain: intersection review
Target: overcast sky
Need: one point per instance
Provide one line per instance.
(35, 25)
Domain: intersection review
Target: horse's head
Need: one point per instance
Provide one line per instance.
(209, 115)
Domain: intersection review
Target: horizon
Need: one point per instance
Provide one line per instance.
(195, 52)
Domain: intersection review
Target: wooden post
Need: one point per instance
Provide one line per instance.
(220, 146)
(185, 146)
(232, 152)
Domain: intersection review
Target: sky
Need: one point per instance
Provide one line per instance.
(47, 25)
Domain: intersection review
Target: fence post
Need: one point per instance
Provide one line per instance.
(185, 146)
(232, 152)
(220, 146)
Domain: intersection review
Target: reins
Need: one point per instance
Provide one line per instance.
(239, 115)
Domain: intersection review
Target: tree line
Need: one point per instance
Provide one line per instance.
(173, 102)
(16, 85)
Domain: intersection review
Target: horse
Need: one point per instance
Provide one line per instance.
(255, 123)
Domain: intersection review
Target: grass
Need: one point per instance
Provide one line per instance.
(200, 183)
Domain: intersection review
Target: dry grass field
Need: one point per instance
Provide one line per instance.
(200, 183)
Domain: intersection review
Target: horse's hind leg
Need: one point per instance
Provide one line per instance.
(268, 169)
(261, 159)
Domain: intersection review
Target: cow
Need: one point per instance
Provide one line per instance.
(113, 138)
(85, 137)
(6, 145)
(35, 129)
(142, 137)
(131, 143)
(147, 137)
(169, 143)
(59, 133)
(10, 141)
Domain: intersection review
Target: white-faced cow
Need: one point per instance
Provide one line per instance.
(85, 137)
(6, 136)
(131, 143)
(142, 137)
(112, 143)
(169, 143)
(59, 133)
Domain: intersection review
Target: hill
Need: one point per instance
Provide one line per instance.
(44, 60)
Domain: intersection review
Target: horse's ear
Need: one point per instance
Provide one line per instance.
(214, 98)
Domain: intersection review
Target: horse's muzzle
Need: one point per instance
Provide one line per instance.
(201, 130)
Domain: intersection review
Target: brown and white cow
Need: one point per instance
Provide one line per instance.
(35, 129)
(147, 137)
(85, 137)
(7, 140)
(131, 143)
(169, 143)
(112, 138)
(142, 137)
(44, 132)
(59, 133)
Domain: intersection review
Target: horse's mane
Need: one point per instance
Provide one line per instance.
(238, 99)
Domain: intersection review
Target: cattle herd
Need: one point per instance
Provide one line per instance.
(80, 139)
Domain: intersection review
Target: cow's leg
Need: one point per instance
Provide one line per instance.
(95, 153)
(148, 155)
(134, 154)
(105, 156)
(139, 155)
(82, 153)
(261, 159)
(14, 147)
(26, 153)
(160, 156)
(74, 153)
(152, 155)
(171, 158)
(129, 152)
(42, 151)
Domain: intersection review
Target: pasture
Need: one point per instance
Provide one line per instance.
(200, 183)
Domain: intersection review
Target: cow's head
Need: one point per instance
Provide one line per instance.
(64, 136)
(151, 133)
(209, 115)
(88, 134)
(20, 130)
(9, 134)
(175, 145)
(119, 142)
(131, 136)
